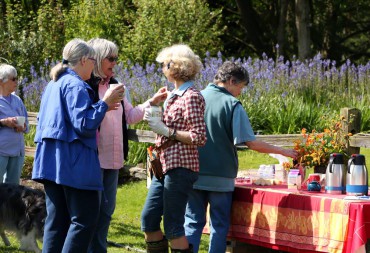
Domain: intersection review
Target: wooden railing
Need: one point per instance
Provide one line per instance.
(356, 141)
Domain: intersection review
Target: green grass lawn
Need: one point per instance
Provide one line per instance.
(249, 159)
(125, 226)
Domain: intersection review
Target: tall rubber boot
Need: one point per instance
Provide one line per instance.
(189, 250)
(157, 246)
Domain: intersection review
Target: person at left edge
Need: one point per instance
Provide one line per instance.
(112, 134)
(11, 133)
(66, 158)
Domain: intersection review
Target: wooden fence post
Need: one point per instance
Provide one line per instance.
(352, 119)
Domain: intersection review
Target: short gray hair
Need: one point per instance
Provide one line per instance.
(231, 69)
(7, 71)
(73, 52)
(103, 48)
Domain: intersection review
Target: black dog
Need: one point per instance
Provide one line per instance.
(23, 211)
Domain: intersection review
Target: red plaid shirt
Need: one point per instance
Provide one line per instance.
(184, 112)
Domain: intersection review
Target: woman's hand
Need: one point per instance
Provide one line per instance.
(113, 96)
(20, 129)
(12, 122)
(159, 97)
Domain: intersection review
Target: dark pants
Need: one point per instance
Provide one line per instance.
(108, 204)
(72, 215)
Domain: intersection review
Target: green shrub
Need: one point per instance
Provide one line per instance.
(158, 24)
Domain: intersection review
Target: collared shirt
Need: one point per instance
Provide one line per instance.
(12, 142)
(110, 144)
(184, 111)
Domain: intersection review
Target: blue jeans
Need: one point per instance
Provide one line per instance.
(72, 215)
(195, 218)
(168, 197)
(107, 206)
(11, 169)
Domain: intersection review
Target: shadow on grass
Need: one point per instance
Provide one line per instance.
(126, 235)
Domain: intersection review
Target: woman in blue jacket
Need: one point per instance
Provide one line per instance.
(66, 159)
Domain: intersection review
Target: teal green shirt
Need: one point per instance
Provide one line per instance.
(227, 125)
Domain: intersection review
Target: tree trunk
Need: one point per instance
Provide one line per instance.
(302, 12)
(281, 36)
(249, 19)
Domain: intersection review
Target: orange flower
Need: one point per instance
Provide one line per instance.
(315, 148)
(287, 165)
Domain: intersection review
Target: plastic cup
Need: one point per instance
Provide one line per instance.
(21, 120)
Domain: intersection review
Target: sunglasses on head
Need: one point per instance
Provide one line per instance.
(112, 58)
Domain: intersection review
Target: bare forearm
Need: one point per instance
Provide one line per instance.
(264, 147)
(183, 136)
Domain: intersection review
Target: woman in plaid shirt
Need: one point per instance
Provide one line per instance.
(183, 121)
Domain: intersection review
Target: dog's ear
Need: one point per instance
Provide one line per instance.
(34, 205)
(28, 201)
(25, 223)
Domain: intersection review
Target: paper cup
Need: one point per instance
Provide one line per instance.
(114, 85)
(155, 112)
(21, 120)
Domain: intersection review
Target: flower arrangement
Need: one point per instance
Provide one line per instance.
(314, 148)
(287, 166)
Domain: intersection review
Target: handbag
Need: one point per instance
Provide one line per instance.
(155, 165)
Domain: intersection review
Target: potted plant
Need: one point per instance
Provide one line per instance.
(314, 148)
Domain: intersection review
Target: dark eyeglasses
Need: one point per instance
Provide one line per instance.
(168, 64)
(112, 58)
(14, 79)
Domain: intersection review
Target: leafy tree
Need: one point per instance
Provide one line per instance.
(341, 29)
(18, 41)
(107, 19)
(33, 32)
(51, 29)
(162, 23)
(337, 29)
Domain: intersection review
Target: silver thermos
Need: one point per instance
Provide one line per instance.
(357, 182)
(334, 178)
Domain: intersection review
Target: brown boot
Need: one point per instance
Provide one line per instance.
(188, 250)
(157, 246)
